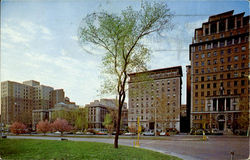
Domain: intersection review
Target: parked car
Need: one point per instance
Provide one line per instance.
(149, 133)
(164, 134)
(101, 133)
(89, 133)
(57, 132)
(130, 134)
(79, 133)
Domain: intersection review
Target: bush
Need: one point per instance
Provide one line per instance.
(17, 128)
(43, 126)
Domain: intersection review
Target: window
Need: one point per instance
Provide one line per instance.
(235, 83)
(208, 93)
(202, 86)
(242, 82)
(242, 90)
(228, 92)
(229, 51)
(196, 64)
(228, 83)
(208, 54)
(202, 79)
(208, 85)
(215, 53)
(196, 79)
(243, 48)
(215, 69)
(214, 85)
(221, 76)
(228, 67)
(214, 77)
(214, 93)
(222, 44)
(236, 58)
(215, 61)
(221, 52)
(196, 94)
(208, 62)
(202, 70)
(222, 60)
(200, 48)
(196, 56)
(236, 49)
(202, 55)
(235, 74)
(202, 63)
(208, 78)
(243, 57)
(202, 93)
(235, 91)
(229, 59)
(208, 70)
(221, 68)
(228, 75)
(196, 86)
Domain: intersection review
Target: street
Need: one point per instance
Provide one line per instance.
(183, 146)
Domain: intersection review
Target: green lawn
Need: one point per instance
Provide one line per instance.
(67, 150)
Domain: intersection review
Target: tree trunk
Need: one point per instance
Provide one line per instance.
(121, 100)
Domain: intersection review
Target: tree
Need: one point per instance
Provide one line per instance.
(43, 126)
(81, 118)
(243, 119)
(108, 123)
(120, 36)
(61, 125)
(17, 128)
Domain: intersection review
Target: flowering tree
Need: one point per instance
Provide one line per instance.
(61, 125)
(17, 128)
(43, 126)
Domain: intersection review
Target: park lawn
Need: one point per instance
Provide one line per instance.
(67, 150)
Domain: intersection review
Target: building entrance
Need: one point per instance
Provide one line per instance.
(221, 126)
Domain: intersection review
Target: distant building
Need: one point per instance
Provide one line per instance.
(47, 114)
(219, 56)
(97, 111)
(18, 100)
(146, 89)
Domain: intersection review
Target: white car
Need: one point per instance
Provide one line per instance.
(57, 132)
(129, 134)
(150, 133)
(79, 133)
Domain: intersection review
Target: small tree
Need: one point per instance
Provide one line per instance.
(43, 126)
(61, 125)
(17, 128)
(108, 123)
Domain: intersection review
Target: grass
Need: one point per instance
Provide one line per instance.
(72, 150)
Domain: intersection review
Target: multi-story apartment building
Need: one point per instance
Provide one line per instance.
(58, 96)
(19, 99)
(16, 102)
(155, 97)
(219, 56)
(97, 111)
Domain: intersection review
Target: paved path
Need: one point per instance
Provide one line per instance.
(186, 147)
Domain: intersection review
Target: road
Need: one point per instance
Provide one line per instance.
(183, 146)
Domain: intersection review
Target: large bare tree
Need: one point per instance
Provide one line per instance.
(121, 38)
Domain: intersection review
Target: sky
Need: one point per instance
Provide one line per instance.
(39, 41)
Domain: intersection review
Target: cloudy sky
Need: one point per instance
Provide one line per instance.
(39, 41)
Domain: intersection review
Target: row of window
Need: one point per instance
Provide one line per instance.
(202, 86)
(147, 105)
(228, 75)
(216, 92)
(222, 43)
(222, 60)
(137, 86)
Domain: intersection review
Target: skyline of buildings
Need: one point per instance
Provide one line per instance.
(216, 84)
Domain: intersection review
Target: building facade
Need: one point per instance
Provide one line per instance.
(18, 100)
(155, 98)
(98, 109)
(219, 56)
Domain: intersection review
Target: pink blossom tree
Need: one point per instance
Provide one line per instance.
(61, 125)
(17, 128)
(43, 126)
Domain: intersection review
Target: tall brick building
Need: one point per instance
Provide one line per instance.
(19, 99)
(219, 56)
(150, 90)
